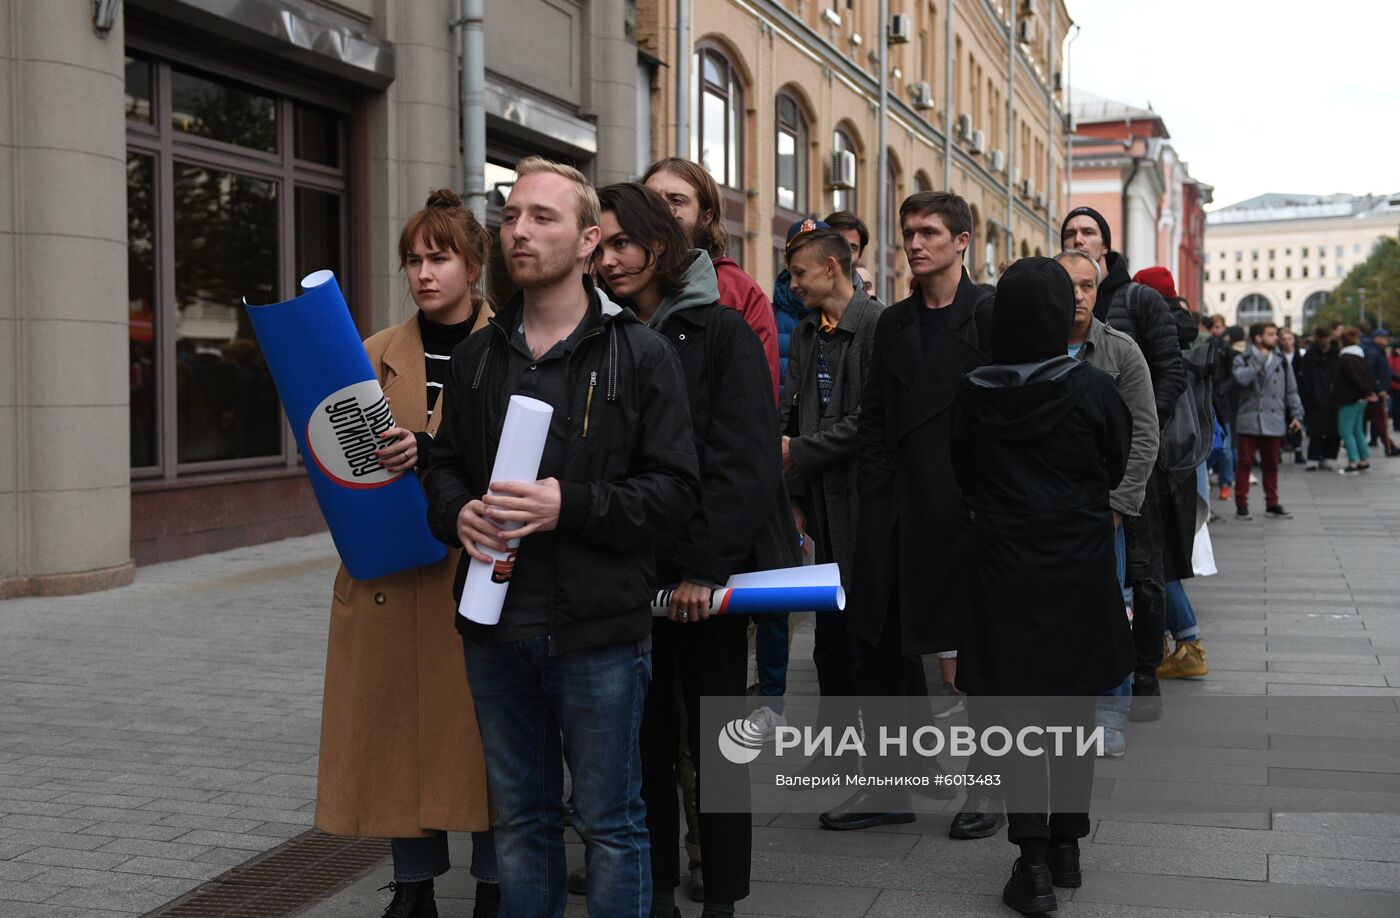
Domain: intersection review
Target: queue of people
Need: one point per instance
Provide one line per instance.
(703, 429)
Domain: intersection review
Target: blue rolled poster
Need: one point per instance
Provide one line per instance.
(814, 588)
(378, 520)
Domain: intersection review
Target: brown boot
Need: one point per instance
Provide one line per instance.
(1187, 662)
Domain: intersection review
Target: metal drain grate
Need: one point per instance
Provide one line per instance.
(283, 881)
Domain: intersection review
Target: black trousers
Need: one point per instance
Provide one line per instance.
(885, 670)
(1144, 543)
(690, 660)
(1044, 773)
(1324, 447)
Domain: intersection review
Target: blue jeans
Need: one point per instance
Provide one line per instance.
(534, 711)
(770, 647)
(1222, 460)
(1181, 618)
(419, 859)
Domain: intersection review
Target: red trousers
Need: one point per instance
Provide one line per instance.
(1268, 452)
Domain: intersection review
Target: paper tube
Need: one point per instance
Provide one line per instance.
(378, 520)
(518, 456)
(815, 588)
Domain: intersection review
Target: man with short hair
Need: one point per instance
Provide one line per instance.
(1269, 407)
(853, 230)
(1105, 347)
(1376, 347)
(1139, 312)
(909, 592)
(564, 673)
(831, 349)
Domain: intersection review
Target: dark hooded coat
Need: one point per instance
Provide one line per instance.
(1039, 441)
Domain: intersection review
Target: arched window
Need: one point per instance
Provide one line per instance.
(791, 165)
(1255, 308)
(716, 102)
(970, 255)
(921, 182)
(1311, 305)
(843, 195)
(895, 231)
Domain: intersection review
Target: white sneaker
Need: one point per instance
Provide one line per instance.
(765, 721)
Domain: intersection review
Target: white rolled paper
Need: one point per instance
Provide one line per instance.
(518, 456)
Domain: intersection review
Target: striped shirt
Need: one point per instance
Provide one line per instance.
(438, 342)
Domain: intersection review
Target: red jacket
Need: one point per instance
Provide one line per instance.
(739, 291)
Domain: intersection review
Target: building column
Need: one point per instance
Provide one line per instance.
(65, 466)
(613, 90)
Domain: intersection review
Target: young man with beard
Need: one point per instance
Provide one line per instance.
(909, 592)
(1269, 410)
(564, 674)
(1139, 312)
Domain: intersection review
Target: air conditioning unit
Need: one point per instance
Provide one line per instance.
(1059, 81)
(1039, 201)
(998, 160)
(1014, 175)
(832, 17)
(922, 94)
(1025, 30)
(1027, 188)
(900, 29)
(843, 169)
(964, 125)
(979, 142)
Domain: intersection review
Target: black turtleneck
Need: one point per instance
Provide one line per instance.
(438, 342)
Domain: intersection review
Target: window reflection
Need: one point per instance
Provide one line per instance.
(318, 232)
(141, 297)
(222, 110)
(138, 90)
(225, 249)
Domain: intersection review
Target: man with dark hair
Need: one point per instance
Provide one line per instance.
(852, 229)
(1269, 407)
(826, 372)
(909, 592)
(1376, 347)
(1139, 312)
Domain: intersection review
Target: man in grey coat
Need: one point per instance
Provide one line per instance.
(827, 357)
(1269, 407)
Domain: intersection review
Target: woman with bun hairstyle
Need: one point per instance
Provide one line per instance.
(400, 753)
(743, 523)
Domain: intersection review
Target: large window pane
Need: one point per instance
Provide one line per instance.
(138, 90)
(223, 110)
(787, 171)
(141, 297)
(225, 250)
(318, 232)
(713, 149)
(316, 135)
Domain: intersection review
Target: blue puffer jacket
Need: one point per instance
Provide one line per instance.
(787, 311)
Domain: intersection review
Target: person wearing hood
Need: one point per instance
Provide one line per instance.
(564, 673)
(1354, 389)
(743, 523)
(1040, 441)
(1139, 312)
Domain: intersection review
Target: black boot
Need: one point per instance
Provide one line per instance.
(1064, 864)
(980, 817)
(1029, 891)
(1147, 698)
(488, 900)
(411, 900)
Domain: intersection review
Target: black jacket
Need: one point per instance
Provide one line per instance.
(743, 522)
(1140, 312)
(1037, 454)
(622, 484)
(912, 535)
(1316, 372)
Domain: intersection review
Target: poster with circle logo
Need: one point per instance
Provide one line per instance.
(379, 520)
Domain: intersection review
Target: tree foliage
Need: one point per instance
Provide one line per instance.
(1370, 291)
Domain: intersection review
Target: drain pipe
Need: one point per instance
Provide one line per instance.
(949, 115)
(472, 38)
(1010, 132)
(683, 79)
(882, 215)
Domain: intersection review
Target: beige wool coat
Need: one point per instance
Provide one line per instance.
(400, 752)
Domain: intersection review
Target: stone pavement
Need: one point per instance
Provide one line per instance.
(153, 736)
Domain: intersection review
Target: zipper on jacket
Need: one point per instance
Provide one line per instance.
(588, 402)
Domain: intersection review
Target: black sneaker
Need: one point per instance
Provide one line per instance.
(1147, 698)
(1030, 890)
(1063, 857)
(1277, 512)
(1242, 512)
